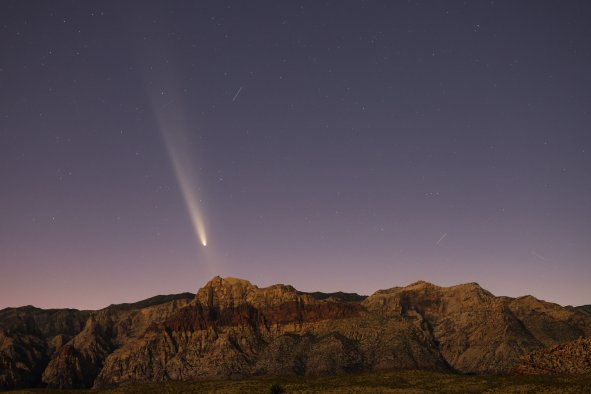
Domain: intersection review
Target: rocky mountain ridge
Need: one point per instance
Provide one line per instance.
(232, 328)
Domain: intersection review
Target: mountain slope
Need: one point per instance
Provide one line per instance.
(236, 329)
(65, 347)
(232, 328)
(78, 362)
(29, 336)
(586, 309)
(568, 358)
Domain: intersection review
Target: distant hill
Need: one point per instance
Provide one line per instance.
(339, 296)
(232, 328)
(159, 299)
(32, 339)
(43, 323)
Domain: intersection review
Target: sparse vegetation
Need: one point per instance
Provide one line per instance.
(373, 382)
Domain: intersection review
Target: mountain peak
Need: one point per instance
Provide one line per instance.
(234, 281)
(420, 284)
(224, 292)
(277, 330)
(218, 281)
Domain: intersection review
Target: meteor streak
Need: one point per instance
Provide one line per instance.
(539, 256)
(441, 239)
(237, 93)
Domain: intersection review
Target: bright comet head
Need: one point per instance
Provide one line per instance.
(177, 139)
(188, 187)
(166, 96)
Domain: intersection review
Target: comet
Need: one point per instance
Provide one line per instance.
(167, 99)
(175, 133)
(188, 189)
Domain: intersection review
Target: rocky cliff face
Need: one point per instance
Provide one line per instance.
(568, 358)
(232, 328)
(477, 332)
(43, 323)
(65, 347)
(79, 361)
(22, 358)
(236, 329)
(586, 309)
(29, 337)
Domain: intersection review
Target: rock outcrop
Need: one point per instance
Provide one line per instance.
(236, 329)
(29, 337)
(586, 309)
(79, 361)
(43, 323)
(65, 348)
(477, 332)
(568, 358)
(22, 358)
(232, 328)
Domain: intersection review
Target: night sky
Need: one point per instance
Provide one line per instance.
(342, 145)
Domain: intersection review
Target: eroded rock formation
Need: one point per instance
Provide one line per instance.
(232, 328)
(568, 358)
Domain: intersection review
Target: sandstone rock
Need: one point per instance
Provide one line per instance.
(28, 338)
(75, 342)
(22, 358)
(79, 361)
(549, 323)
(232, 328)
(568, 358)
(43, 323)
(586, 309)
(475, 331)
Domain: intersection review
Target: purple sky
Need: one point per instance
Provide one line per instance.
(333, 145)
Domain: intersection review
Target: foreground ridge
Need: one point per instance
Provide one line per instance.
(231, 328)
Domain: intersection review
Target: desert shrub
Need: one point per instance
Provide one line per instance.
(276, 389)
